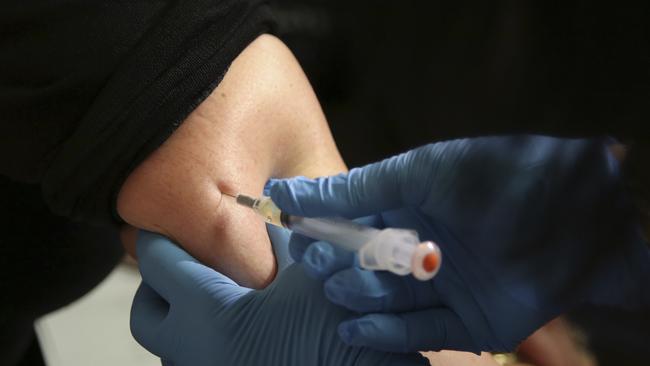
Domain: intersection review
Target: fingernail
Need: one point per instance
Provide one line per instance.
(333, 291)
(345, 332)
(320, 256)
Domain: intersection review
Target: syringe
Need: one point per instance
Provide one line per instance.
(396, 250)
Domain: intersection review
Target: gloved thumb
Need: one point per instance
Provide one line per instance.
(176, 276)
(363, 191)
(148, 314)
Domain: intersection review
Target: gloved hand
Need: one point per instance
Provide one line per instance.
(189, 314)
(280, 241)
(529, 227)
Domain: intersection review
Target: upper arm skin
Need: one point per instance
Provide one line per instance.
(262, 121)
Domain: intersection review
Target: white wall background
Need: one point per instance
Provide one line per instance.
(95, 329)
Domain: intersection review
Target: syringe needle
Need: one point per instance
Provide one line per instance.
(243, 200)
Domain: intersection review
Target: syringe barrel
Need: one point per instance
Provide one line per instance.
(346, 233)
(394, 250)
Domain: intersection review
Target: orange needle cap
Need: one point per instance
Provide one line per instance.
(430, 262)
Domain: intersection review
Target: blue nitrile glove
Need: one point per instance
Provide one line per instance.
(189, 314)
(280, 242)
(529, 226)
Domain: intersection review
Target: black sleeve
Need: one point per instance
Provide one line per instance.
(636, 180)
(89, 88)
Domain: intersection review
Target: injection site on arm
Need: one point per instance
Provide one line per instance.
(176, 191)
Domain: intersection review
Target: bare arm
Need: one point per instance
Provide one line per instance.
(262, 121)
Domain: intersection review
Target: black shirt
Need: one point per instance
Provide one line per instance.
(89, 88)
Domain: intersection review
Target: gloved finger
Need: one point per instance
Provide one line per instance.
(176, 275)
(427, 330)
(298, 244)
(378, 291)
(363, 191)
(322, 259)
(280, 238)
(148, 314)
(165, 266)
